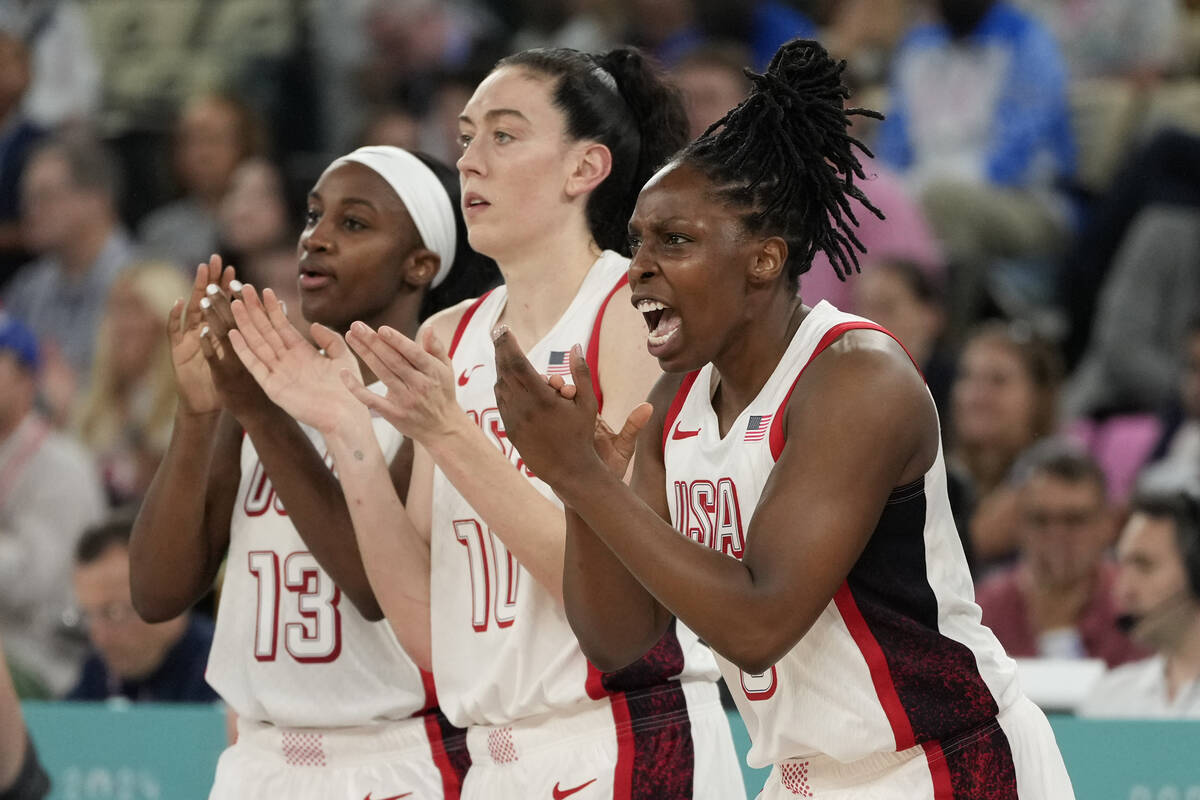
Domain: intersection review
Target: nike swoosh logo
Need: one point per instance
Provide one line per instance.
(678, 434)
(393, 797)
(462, 381)
(559, 794)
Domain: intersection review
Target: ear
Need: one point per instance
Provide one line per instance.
(593, 163)
(420, 267)
(769, 262)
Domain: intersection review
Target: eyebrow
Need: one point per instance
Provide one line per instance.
(493, 114)
(346, 201)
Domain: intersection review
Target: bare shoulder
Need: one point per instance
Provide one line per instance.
(445, 322)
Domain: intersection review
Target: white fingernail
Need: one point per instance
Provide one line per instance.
(499, 331)
(204, 331)
(212, 289)
(235, 285)
(205, 303)
(283, 305)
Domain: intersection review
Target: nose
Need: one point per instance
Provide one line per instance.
(471, 161)
(641, 267)
(315, 238)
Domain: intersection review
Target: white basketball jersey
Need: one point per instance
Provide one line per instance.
(502, 648)
(899, 657)
(289, 649)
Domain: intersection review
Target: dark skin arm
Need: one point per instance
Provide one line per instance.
(182, 529)
(309, 491)
(859, 424)
(629, 616)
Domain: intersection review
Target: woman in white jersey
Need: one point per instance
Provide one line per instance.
(797, 452)
(556, 144)
(328, 703)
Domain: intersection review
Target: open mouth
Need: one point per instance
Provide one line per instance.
(661, 320)
(314, 279)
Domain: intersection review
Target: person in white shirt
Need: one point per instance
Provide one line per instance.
(1158, 592)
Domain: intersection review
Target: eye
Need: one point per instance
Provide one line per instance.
(634, 242)
(352, 224)
(501, 137)
(464, 139)
(676, 238)
(311, 217)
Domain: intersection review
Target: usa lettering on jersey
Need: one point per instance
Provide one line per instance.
(710, 514)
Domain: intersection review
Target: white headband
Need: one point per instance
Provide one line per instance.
(422, 194)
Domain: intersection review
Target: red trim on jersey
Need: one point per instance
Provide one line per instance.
(594, 684)
(623, 772)
(829, 338)
(939, 771)
(451, 780)
(677, 404)
(466, 317)
(881, 675)
(430, 692)
(593, 347)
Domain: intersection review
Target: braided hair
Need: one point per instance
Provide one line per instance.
(785, 155)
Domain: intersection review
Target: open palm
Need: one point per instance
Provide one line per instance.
(197, 393)
(303, 381)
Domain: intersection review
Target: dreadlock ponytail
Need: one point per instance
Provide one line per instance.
(784, 154)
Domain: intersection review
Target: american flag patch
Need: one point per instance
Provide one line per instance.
(560, 363)
(757, 427)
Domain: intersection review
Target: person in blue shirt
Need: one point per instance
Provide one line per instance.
(979, 125)
(129, 658)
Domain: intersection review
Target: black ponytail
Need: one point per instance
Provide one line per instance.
(621, 100)
(472, 273)
(784, 155)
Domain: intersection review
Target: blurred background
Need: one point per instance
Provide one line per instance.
(1039, 166)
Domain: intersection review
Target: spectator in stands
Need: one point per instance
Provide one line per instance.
(18, 135)
(125, 416)
(66, 71)
(257, 234)
(21, 775)
(68, 211)
(1112, 38)
(48, 494)
(1176, 457)
(978, 122)
(1165, 171)
(712, 80)
(1147, 302)
(162, 662)
(907, 300)
(1158, 593)
(1004, 398)
(392, 125)
(214, 134)
(1056, 600)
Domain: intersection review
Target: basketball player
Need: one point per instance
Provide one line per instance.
(556, 143)
(328, 703)
(797, 452)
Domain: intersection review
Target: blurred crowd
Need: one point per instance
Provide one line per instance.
(1039, 167)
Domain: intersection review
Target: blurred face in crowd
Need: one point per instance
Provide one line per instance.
(1151, 582)
(1189, 389)
(1065, 527)
(53, 209)
(129, 647)
(136, 331)
(18, 388)
(14, 72)
(882, 294)
(209, 146)
(709, 92)
(515, 164)
(396, 128)
(994, 397)
(253, 214)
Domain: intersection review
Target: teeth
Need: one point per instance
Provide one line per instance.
(658, 340)
(650, 305)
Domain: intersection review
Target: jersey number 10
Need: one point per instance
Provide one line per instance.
(317, 637)
(491, 566)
